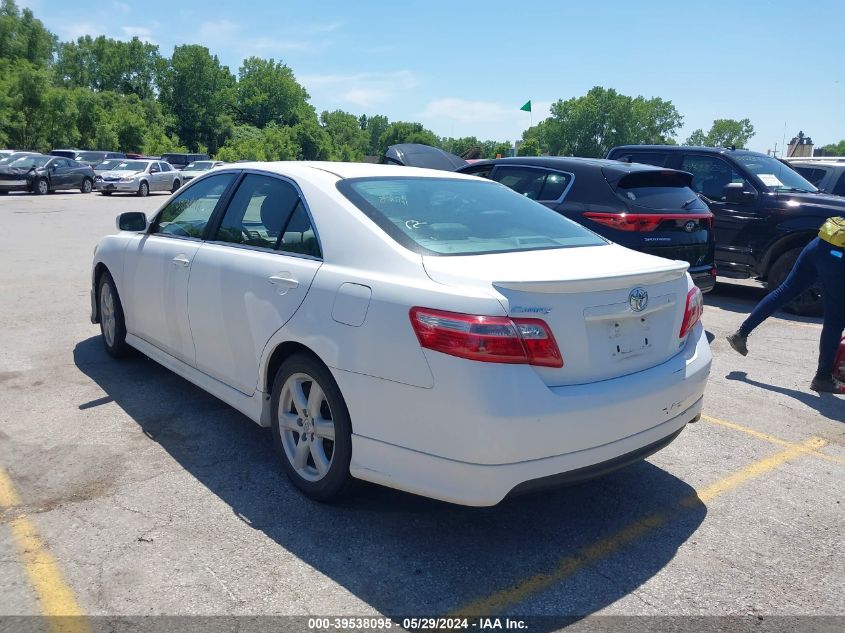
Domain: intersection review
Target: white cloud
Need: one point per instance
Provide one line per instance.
(75, 30)
(121, 6)
(217, 30)
(364, 89)
(141, 32)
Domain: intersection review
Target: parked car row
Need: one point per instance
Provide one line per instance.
(106, 172)
(741, 212)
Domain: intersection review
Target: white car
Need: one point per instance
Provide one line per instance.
(428, 331)
(198, 168)
(138, 176)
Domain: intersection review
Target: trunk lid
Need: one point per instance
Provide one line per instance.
(584, 295)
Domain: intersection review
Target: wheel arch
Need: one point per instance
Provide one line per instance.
(279, 355)
(798, 239)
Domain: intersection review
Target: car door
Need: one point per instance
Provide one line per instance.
(249, 279)
(731, 220)
(157, 266)
(60, 173)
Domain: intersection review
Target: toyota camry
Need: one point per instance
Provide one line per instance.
(433, 332)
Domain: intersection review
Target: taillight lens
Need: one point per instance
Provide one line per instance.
(487, 338)
(693, 311)
(644, 222)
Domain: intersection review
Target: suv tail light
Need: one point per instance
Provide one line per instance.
(644, 222)
(487, 338)
(692, 312)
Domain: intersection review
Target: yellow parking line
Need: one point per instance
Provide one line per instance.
(55, 598)
(768, 438)
(506, 598)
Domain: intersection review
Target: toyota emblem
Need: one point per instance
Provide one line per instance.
(638, 299)
(689, 227)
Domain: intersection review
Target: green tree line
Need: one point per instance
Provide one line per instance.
(102, 93)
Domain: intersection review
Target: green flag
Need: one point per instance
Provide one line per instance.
(527, 106)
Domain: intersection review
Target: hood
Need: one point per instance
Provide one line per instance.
(5, 170)
(118, 174)
(823, 204)
(418, 155)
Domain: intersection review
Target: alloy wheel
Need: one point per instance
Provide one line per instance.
(107, 316)
(306, 426)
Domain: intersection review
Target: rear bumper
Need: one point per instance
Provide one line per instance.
(478, 435)
(703, 278)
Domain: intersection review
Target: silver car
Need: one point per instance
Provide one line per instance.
(828, 176)
(138, 176)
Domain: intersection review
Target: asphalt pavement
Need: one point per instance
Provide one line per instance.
(125, 490)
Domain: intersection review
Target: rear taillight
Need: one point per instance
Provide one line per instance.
(644, 222)
(692, 312)
(487, 338)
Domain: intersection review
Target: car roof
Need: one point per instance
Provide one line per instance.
(678, 148)
(817, 163)
(311, 169)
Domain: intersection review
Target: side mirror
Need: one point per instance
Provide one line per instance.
(735, 192)
(134, 221)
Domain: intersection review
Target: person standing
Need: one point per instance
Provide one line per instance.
(823, 259)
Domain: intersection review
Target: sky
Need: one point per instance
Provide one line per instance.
(465, 68)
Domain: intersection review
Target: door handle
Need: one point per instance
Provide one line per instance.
(181, 260)
(284, 281)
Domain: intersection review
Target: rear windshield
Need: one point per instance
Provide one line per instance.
(659, 191)
(447, 216)
(90, 156)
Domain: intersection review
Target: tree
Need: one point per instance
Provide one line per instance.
(500, 149)
(835, 149)
(313, 141)
(529, 147)
(268, 92)
(724, 133)
(349, 140)
(403, 132)
(590, 125)
(199, 92)
(376, 125)
(22, 37)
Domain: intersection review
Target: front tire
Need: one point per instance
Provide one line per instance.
(143, 190)
(809, 302)
(105, 193)
(87, 185)
(41, 187)
(112, 322)
(312, 431)
(176, 185)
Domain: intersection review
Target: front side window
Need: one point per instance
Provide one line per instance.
(188, 213)
(711, 175)
(839, 188)
(258, 213)
(448, 216)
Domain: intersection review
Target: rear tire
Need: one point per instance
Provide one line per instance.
(87, 185)
(112, 322)
(312, 431)
(809, 302)
(143, 190)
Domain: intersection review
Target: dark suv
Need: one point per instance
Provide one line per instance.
(764, 211)
(642, 207)
(180, 161)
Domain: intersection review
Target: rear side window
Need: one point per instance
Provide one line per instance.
(298, 236)
(450, 216)
(258, 212)
(534, 183)
(659, 191)
(839, 189)
(815, 176)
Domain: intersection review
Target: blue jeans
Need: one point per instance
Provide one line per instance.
(818, 261)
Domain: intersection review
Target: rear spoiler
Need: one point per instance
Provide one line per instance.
(647, 178)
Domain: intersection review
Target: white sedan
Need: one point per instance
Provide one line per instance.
(432, 332)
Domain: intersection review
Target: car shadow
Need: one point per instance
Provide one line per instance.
(828, 405)
(399, 553)
(742, 299)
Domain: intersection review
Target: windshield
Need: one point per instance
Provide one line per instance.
(132, 165)
(200, 165)
(30, 161)
(774, 174)
(90, 156)
(447, 216)
(108, 164)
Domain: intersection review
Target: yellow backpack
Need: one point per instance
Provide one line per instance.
(833, 232)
